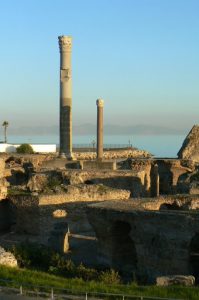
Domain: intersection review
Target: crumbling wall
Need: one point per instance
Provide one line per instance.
(158, 241)
(190, 146)
(133, 181)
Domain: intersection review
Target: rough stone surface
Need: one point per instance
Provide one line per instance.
(37, 182)
(3, 181)
(190, 146)
(138, 183)
(38, 217)
(113, 154)
(148, 237)
(7, 258)
(175, 280)
(2, 167)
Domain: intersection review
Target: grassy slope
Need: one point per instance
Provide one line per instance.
(23, 276)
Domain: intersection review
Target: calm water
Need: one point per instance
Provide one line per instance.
(161, 146)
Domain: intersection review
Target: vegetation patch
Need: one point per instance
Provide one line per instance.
(13, 191)
(25, 149)
(35, 279)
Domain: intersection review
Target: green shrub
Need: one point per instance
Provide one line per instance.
(25, 149)
(86, 274)
(53, 182)
(32, 255)
(110, 277)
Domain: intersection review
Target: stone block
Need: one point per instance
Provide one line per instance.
(7, 258)
(98, 165)
(186, 280)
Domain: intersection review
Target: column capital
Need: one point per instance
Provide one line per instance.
(65, 43)
(100, 102)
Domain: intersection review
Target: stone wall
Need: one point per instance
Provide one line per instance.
(170, 172)
(25, 214)
(138, 183)
(45, 217)
(113, 154)
(3, 182)
(146, 243)
(5, 221)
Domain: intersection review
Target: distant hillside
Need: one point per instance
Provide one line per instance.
(90, 129)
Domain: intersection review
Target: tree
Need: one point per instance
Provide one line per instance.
(5, 125)
(25, 148)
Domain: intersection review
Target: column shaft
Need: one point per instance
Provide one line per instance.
(100, 104)
(65, 44)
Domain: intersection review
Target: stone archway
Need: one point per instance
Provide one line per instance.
(194, 256)
(124, 257)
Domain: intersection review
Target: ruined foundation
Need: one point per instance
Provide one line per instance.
(148, 238)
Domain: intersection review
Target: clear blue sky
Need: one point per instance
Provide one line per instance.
(141, 56)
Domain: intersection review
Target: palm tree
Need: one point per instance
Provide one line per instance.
(5, 125)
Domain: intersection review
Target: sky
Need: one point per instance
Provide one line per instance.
(140, 56)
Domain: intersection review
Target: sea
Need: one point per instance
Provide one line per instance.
(158, 145)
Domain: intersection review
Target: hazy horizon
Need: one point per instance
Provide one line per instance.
(90, 129)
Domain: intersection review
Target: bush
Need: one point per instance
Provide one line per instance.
(53, 182)
(110, 277)
(31, 255)
(25, 148)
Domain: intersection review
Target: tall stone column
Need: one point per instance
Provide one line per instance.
(100, 107)
(65, 46)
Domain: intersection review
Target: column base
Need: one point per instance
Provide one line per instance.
(68, 156)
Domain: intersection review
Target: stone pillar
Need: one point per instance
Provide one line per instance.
(65, 46)
(155, 181)
(100, 107)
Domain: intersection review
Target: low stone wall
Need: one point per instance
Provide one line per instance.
(113, 154)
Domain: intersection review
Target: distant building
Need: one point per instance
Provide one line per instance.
(40, 148)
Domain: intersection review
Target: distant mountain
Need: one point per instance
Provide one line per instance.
(90, 129)
(87, 129)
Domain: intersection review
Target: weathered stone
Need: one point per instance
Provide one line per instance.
(3, 188)
(3, 182)
(113, 154)
(148, 237)
(65, 46)
(7, 258)
(37, 182)
(2, 167)
(186, 280)
(138, 183)
(59, 213)
(190, 146)
(100, 127)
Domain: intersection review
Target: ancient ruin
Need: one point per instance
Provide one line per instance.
(121, 208)
(146, 209)
(147, 238)
(65, 46)
(190, 147)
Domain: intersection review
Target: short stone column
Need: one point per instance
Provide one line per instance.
(100, 108)
(155, 181)
(65, 46)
